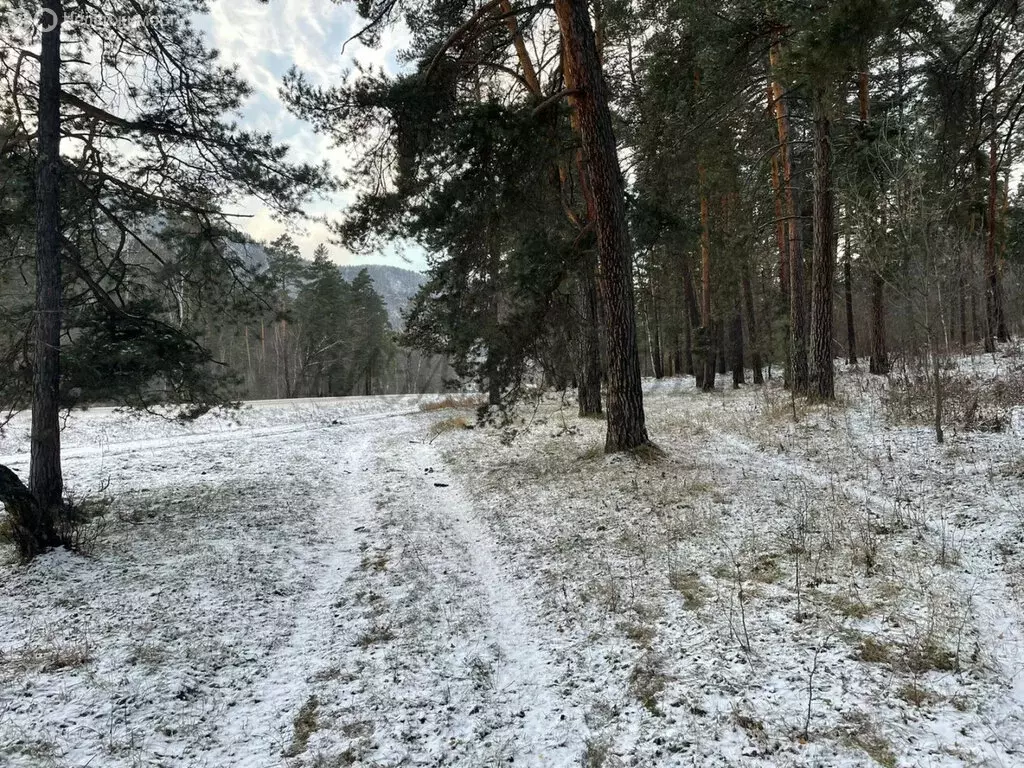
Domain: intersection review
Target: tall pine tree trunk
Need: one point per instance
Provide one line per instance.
(736, 350)
(851, 330)
(961, 302)
(45, 477)
(654, 331)
(780, 231)
(996, 321)
(694, 362)
(797, 289)
(879, 362)
(588, 372)
(749, 312)
(722, 363)
(706, 339)
(626, 424)
(823, 266)
(782, 242)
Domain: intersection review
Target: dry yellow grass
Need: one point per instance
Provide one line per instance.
(452, 401)
(448, 425)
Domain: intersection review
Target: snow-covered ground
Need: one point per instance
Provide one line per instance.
(347, 582)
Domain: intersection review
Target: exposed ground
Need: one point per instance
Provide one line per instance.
(358, 582)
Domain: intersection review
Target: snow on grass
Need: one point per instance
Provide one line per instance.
(829, 590)
(359, 582)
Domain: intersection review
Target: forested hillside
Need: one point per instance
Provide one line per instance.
(396, 287)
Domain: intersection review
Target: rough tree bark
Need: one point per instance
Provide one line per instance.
(851, 330)
(823, 265)
(748, 311)
(797, 289)
(588, 369)
(706, 337)
(626, 424)
(45, 478)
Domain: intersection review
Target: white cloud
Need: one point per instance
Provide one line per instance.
(264, 41)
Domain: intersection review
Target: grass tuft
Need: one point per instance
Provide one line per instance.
(305, 724)
(449, 425)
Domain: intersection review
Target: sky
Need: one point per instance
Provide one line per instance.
(265, 40)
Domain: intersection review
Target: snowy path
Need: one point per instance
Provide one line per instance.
(448, 665)
(318, 564)
(283, 686)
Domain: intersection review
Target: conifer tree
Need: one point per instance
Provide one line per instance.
(154, 135)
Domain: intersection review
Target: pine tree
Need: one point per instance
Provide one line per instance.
(166, 143)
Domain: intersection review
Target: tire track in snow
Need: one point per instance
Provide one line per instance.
(227, 435)
(520, 716)
(261, 726)
(525, 662)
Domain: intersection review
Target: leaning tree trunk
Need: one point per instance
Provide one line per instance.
(32, 528)
(626, 427)
(823, 266)
(45, 477)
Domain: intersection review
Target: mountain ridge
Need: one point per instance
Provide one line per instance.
(396, 285)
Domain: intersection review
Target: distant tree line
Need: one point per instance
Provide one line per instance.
(318, 335)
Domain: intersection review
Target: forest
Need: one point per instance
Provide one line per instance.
(675, 253)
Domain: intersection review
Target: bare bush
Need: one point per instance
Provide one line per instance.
(971, 401)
